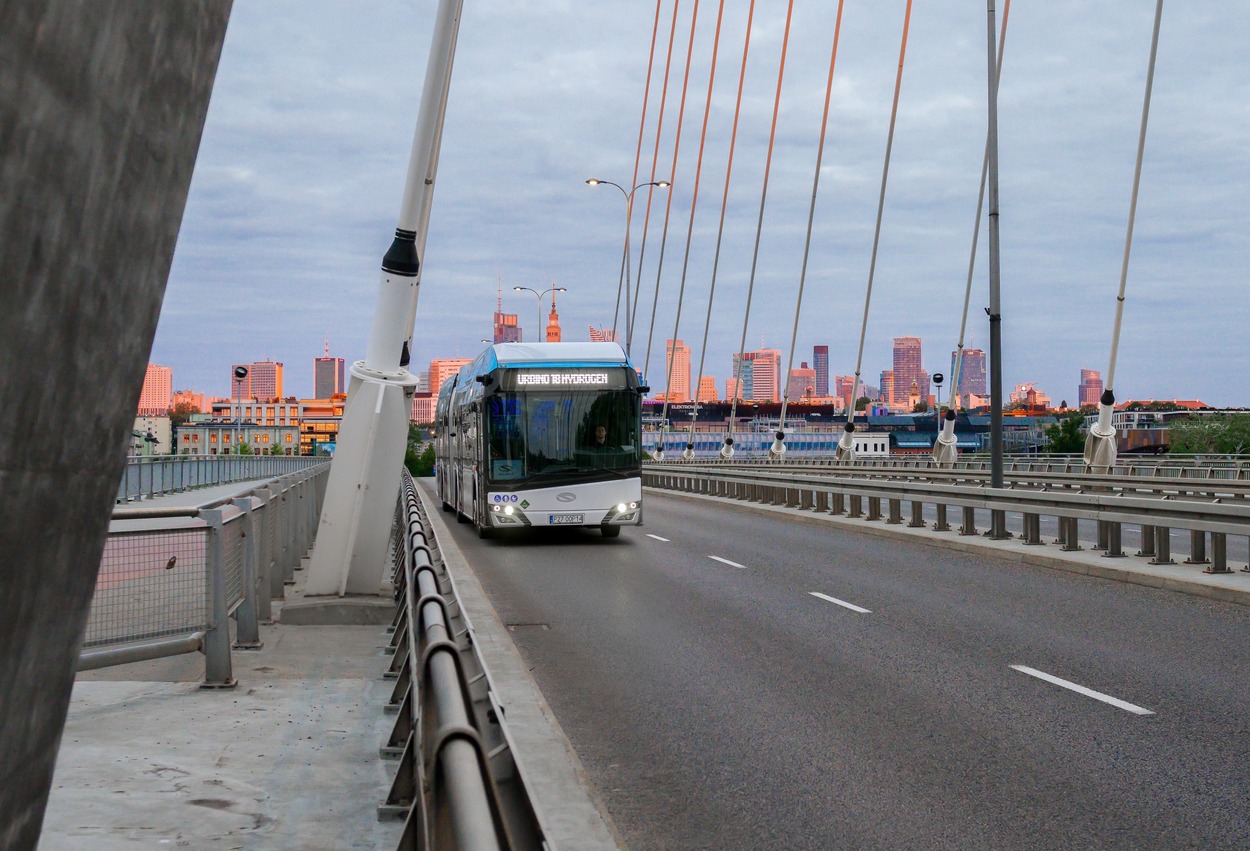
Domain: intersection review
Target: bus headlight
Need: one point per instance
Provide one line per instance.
(508, 510)
(621, 508)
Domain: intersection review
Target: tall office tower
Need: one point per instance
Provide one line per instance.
(707, 388)
(553, 321)
(327, 375)
(766, 376)
(506, 328)
(158, 391)
(820, 362)
(844, 385)
(266, 378)
(677, 369)
(731, 389)
(745, 375)
(973, 368)
(262, 382)
(443, 368)
(887, 387)
(802, 382)
(907, 368)
(1090, 390)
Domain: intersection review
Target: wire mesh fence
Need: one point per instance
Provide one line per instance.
(151, 584)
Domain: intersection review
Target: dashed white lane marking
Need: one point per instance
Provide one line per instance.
(842, 603)
(657, 537)
(728, 562)
(1088, 692)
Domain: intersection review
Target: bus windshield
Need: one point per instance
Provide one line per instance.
(563, 435)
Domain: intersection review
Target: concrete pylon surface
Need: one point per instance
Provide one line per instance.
(101, 111)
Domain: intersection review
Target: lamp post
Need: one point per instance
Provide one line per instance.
(240, 373)
(629, 211)
(539, 296)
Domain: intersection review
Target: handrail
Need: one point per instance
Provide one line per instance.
(449, 732)
(1110, 505)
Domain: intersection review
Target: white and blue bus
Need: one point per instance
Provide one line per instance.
(542, 434)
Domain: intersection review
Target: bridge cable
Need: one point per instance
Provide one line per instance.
(727, 450)
(668, 206)
(694, 201)
(1100, 448)
(642, 123)
(845, 450)
(655, 159)
(778, 448)
(720, 231)
(944, 446)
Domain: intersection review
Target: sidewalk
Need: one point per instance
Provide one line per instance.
(286, 760)
(1233, 587)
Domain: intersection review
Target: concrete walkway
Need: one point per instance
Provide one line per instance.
(287, 760)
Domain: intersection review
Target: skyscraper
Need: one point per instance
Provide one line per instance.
(745, 374)
(443, 368)
(844, 385)
(1091, 387)
(907, 368)
(506, 328)
(766, 376)
(973, 368)
(158, 391)
(802, 382)
(553, 322)
(327, 375)
(262, 382)
(707, 388)
(887, 387)
(820, 362)
(677, 369)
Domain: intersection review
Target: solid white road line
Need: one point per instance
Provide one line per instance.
(841, 603)
(657, 537)
(728, 562)
(1088, 692)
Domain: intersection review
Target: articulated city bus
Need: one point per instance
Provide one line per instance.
(542, 434)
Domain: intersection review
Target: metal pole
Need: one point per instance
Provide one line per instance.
(217, 670)
(997, 518)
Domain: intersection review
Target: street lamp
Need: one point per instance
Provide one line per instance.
(539, 296)
(240, 373)
(629, 210)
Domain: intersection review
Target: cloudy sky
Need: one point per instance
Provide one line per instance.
(298, 183)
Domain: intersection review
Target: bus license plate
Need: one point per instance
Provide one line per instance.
(566, 519)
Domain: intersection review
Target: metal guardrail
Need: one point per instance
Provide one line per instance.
(1153, 505)
(457, 784)
(170, 579)
(155, 476)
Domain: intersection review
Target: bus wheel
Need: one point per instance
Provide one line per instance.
(611, 531)
(485, 532)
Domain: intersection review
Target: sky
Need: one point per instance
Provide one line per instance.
(301, 168)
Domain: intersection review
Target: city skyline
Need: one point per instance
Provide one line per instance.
(523, 213)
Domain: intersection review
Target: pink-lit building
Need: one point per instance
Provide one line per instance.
(191, 399)
(262, 382)
(802, 382)
(158, 391)
(422, 408)
(707, 388)
(677, 370)
(1091, 387)
(443, 368)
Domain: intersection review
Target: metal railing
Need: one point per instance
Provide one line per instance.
(457, 785)
(1209, 508)
(170, 579)
(156, 476)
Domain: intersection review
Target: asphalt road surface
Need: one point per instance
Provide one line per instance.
(736, 681)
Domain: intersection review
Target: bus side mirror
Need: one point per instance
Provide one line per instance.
(643, 390)
(483, 379)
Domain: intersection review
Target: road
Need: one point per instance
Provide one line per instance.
(717, 702)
